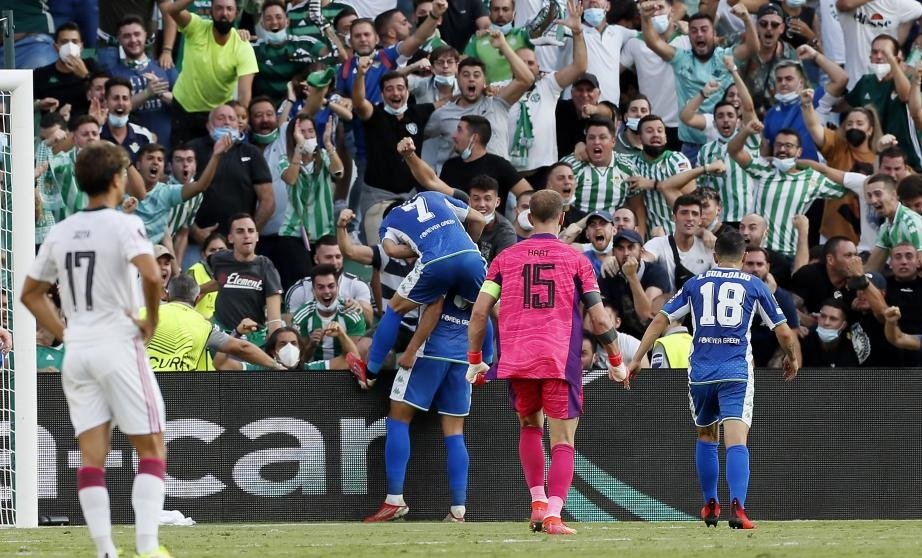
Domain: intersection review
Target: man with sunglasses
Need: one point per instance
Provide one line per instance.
(760, 67)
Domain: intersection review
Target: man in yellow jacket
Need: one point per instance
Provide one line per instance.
(183, 338)
(672, 349)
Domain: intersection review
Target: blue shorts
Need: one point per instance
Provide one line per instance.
(462, 273)
(434, 381)
(719, 401)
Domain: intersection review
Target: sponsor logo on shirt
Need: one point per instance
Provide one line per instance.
(237, 281)
(412, 128)
(875, 19)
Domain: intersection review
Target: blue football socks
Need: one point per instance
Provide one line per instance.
(396, 454)
(738, 472)
(708, 465)
(383, 340)
(457, 462)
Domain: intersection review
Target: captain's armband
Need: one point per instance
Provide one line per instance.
(491, 288)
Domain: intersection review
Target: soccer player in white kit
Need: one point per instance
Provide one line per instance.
(95, 256)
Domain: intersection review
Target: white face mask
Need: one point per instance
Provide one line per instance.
(445, 81)
(117, 121)
(632, 123)
(310, 145)
(68, 49)
(395, 111)
(523, 221)
(660, 23)
(489, 218)
(324, 308)
(827, 335)
(787, 97)
(783, 165)
(795, 3)
(289, 355)
(879, 70)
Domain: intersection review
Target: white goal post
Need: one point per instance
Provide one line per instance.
(18, 416)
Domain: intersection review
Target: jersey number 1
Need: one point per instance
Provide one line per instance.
(531, 275)
(72, 261)
(728, 311)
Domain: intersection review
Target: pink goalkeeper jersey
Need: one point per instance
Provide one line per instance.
(540, 326)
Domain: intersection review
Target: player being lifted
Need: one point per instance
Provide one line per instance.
(723, 303)
(437, 229)
(539, 284)
(106, 375)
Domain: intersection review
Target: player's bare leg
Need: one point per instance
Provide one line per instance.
(708, 467)
(387, 331)
(396, 457)
(531, 455)
(147, 493)
(91, 487)
(736, 433)
(457, 462)
(560, 473)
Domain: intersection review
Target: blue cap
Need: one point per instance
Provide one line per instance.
(601, 214)
(629, 235)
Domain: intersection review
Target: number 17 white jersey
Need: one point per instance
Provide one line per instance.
(723, 303)
(89, 255)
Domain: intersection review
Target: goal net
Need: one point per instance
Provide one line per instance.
(18, 427)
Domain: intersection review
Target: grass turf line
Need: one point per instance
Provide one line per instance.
(813, 539)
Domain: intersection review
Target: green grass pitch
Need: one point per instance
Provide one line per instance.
(812, 539)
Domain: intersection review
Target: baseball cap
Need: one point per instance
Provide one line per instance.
(321, 78)
(877, 280)
(601, 214)
(770, 9)
(629, 235)
(586, 77)
(161, 250)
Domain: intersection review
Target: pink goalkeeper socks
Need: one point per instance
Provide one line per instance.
(559, 478)
(531, 454)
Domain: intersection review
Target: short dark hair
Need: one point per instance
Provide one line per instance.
(443, 50)
(472, 62)
(686, 200)
(259, 99)
(636, 97)
(704, 194)
(722, 104)
(832, 244)
(886, 179)
(649, 118)
(326, 240)
(270, 3)
(383, 19)
(237, 217)
(392, 74)
(551, 168)
(181, 147)
(215, 235)
(730, 245)
(81, 120)
(345, 12)
(94, 76)
(118, 82)
(893, 42)
(837, 304)
(701, 15)
(601, 121)
(485, 183)
(323, 269)
(68, 26)
(97, 165)
(892, 152)
(479, 125)
(910, 187)
(790, 132)
(362, 21)
(130, 19)
(763, 251)
(50, 119)
(150, 148)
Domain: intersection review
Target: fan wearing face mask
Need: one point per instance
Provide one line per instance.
(829, 345)
(786, 111)
(782, 189)
(288, 350)
(217, 65)
(279, 54)
(63, 81)
(502, 13)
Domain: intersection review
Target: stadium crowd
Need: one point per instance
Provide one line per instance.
(270, 138)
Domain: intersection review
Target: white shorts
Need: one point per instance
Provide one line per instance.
(112, 382)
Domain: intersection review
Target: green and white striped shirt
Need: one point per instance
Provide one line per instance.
(49, 192)
(906, 226)
(736, 195)
(63, 173)
(182, 216)
(780, 196)
(599, 187)
(310, 200)
(668, 164)
(308, 318)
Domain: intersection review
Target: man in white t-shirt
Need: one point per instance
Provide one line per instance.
(532, 121)
(862, 20)
(693, 255)
(94, 256)
(603, 42)
(353, 290)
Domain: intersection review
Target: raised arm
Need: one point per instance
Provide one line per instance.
(421, 171)
(750, 44)
(747, 107)
(410, 45)
(838, 79)
(360, 104)
(192, 189)
(900, 82)
(802, 254)
(568, 74)
(176, 10)
(895, 335)
(690, 115)
(915, 99)
(355, 252)
(654, 42)
(812, 119)
(736, 148)
(522, 78)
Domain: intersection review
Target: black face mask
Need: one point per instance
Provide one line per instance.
(224, 27)
(855, 137)
(654, 150)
